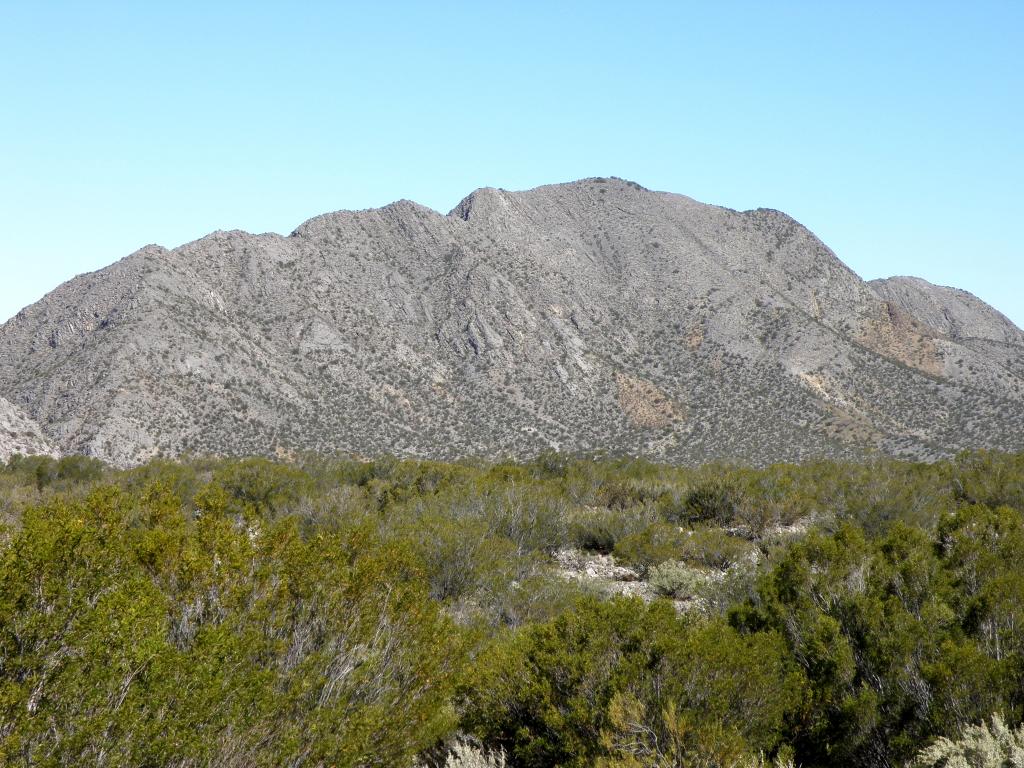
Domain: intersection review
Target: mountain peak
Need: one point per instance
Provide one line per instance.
(592, 315)
(479, 202)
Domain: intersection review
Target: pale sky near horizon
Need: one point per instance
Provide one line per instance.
(893, 130)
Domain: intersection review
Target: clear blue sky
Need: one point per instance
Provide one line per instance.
(893, 130)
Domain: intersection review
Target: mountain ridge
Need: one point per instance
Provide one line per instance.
(590, 316)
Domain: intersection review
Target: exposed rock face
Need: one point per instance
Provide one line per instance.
(952, 312)
(588, 316)
(19, 434)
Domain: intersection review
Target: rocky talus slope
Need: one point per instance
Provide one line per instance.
(591, 316)
(19, 434)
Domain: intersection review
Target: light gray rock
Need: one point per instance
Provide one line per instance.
(590, 316)
(19, 434)
(950, 311)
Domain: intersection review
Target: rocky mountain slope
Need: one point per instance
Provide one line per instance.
(19, 434)
(591, 316)
(954, 313)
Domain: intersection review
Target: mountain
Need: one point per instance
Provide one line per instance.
(590, 316)
(19, 434)
(952, 312)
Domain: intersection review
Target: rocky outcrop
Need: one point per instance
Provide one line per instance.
(951, 312)
(591, 316)
(19, 434)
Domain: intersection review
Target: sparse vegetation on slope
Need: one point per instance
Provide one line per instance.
(19, 434)
(595, 315)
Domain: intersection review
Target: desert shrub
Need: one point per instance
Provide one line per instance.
(675, 579)
(263, 613)
(707, 547)
(533, 518)
(550, 465)
(534, 598)
(79, 469)
(552, 694)
(895, 625)
(655, 544)
(989, 478)
(464, 755)
(530, 516)
(542, 695)
(637, 738)
(133, 634)
(982, 549)
(714, 501)
(181, 478)
(674, 739)
(60, 474)
(715, 548)
(980, 746)
(261, 487)
(461, 557)
(620, 494)
(964, 680)
(599, 529)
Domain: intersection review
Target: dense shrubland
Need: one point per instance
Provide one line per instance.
(332, 612)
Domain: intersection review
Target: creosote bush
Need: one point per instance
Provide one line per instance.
(132, 634)
(675, 579)
(332, 611)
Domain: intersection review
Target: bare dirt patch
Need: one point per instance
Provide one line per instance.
(645, 405)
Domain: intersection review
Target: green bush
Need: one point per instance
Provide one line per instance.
(131, 634)
(543, 694)
(660, 542)
(553, 693)
(715, 548)
(714, 501)
(675, 579)
(262, 487)
(44, 472)
(896, 625)
(599, 530)
(655, 544)
(253, 612)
